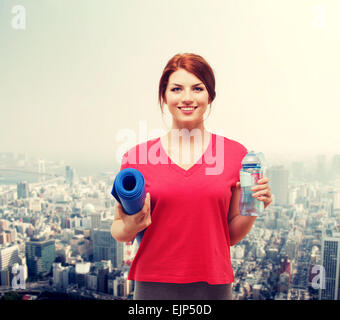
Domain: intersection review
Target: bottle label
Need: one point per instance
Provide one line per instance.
(248, 179)
(245, 179)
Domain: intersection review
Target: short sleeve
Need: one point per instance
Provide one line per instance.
(124, 162)
(242, 153)
(129, 159)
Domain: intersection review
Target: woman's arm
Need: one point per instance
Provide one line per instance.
(239, 226)
(125, 227)
(118, 229)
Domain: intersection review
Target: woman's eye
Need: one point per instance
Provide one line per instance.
(198, 89)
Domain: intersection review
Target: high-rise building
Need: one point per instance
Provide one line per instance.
(291, 248)
(278, 182)
(60, 276)
(70, 175)
(9, 255)
(4, 225)
(102, 274)
(82, 270)
(41, 169)
(22, 190)
(330, 260)
(110, 280)
(321, 170)
(7, 236)
(336, 201)
(120, 287)
(336, 165)
(92, 281)
(105, 247)
(297, 170)
(40, 255)
(283, 284)
(95, 220)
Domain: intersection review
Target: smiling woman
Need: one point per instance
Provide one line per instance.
(185, 249)
(187, 86)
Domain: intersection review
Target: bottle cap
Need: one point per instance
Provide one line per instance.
(251, 158)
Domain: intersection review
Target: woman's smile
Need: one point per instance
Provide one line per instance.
(187, 110)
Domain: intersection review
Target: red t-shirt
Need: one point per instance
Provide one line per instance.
(188, 239)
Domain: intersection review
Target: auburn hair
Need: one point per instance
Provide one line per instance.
(192, 63)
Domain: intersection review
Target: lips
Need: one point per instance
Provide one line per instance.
(187, 110)
(189, 107)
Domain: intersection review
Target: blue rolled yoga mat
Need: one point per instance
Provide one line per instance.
(129, 190)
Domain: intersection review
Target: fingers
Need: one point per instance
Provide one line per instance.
(260, 187)
(119, 209)
(263, 181)
(148, 211)
(144, 216)
(147, 202)
(265, 192)
(262, 191)
(138, 221)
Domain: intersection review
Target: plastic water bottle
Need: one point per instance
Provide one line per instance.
(250, 173)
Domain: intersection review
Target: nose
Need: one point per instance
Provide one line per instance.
(187, 97)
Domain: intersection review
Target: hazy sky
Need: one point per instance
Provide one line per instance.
(82, 70)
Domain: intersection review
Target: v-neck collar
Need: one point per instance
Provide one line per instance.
(194, 167)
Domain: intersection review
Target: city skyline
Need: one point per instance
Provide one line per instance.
(31, 169)
(70, 219)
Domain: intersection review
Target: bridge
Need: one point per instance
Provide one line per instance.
(17, 170)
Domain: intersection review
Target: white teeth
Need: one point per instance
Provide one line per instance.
(187, 109)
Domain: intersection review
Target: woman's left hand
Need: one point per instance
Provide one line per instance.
(262, 192)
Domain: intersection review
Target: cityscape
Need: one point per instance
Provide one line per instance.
(55, 239)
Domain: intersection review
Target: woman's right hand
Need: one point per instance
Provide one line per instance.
(137, 222)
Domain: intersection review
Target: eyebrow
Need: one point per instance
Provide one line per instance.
(182, 86)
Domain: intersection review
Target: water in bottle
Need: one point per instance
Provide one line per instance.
(250, 173)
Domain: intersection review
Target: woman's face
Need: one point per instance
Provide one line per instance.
(185, 90)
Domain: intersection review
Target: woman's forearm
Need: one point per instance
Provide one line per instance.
(118, 232)
(239, 227)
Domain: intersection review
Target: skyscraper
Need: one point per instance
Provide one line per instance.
(321, 172)
(9, 255)
(40, 256)
(105, 247)
(336, 165)
(278, 177)
(41, 169)
(70, 175)
(336, 201)
(330, 259)
(60, 275)
(297, 170)
(22, 190)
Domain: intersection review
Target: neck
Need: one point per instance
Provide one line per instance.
(189, 127)
(188, 136)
